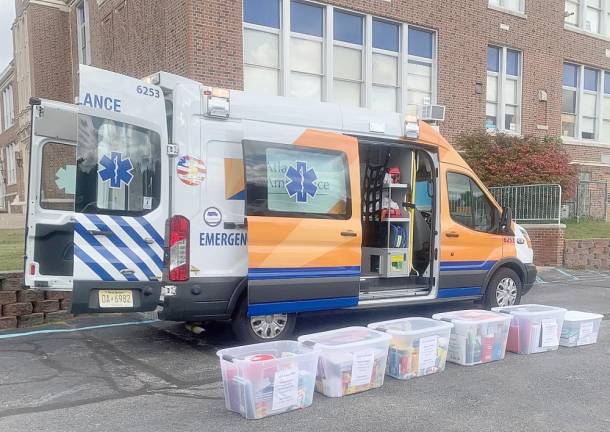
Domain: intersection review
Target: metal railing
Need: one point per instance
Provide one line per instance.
(539, 203)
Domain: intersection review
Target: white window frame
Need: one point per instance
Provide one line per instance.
(8, 107)
(365, 58)
(502, 77)
(11, 165)
(502, 5)
(86, 59)
(285, 34)
(285, 11)
(604, 11)
(399, 65)
(599, 113)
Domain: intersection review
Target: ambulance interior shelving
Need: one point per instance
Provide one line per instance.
(397, 188)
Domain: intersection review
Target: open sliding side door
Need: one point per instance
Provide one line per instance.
(304, 227)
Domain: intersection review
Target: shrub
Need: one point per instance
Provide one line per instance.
(503, 160)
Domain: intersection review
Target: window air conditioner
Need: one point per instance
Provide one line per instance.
(433, 113)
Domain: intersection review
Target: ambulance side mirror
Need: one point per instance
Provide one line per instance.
(506, 221)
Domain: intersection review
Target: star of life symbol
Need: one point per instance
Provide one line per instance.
(301, 182)
(116, 169)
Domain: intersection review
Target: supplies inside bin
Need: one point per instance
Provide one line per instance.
(580, 328)
(478, 336)
(352, 359)
(268, 378)
(418, 346)
(534, 328)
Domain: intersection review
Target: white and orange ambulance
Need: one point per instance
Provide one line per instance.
(214, 205)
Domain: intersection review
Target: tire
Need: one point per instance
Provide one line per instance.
(504, 289)
(247, 330)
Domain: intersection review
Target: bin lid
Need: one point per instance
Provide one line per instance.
(345, 337)
(410, 326)
(472, 316)
(263, 352)
(581, 316)
(528, 309)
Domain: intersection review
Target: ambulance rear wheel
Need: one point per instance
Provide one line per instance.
(504, 289)
(261, 328)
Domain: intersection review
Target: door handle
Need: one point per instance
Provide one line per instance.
(127, 272)
(452, 234)
(235, 225)
(349, 233)
(99, 233)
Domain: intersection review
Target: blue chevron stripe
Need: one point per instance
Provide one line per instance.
(97, 269)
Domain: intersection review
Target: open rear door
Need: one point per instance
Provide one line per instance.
(304, 227)
(52, 180)
(121, 202)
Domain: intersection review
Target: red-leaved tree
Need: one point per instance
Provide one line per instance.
(502, 159)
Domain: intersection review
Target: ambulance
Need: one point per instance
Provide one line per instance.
(207, 204)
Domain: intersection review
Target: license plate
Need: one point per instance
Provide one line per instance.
(115, 299)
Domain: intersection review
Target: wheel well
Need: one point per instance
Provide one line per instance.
(511, 265)
(241, 291)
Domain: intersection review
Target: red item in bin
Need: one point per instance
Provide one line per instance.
(395, 174)
(260, 357)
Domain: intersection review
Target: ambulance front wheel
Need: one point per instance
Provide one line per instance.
(261, 328)
(504, 289)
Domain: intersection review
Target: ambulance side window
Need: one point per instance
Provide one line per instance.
(294, 181)
(58, 176)
(468, 205)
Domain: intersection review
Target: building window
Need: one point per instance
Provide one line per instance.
(319, 52)
(585, 105)
(82, 25)
(503, 106)
(8, 107)
(590, 15)
(11, 165)
(513, 5)
(307, 50)
(386, 58)
(348, 58)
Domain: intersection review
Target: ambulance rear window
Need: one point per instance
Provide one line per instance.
(118, 167)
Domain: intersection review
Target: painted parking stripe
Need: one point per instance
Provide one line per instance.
(73, 330)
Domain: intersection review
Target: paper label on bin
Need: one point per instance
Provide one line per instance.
(585, 332)
(428, 351)
(285, 389)
(362, 367)
(549, 336)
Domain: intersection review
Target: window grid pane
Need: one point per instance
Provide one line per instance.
(262, 12)
(306, 18)
(420, 43)
(348, 27)
(385, 35)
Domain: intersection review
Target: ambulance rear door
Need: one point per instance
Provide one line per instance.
(121, 202)
(304, 227)
(52, 181)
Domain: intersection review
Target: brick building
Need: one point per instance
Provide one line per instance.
(529, 67)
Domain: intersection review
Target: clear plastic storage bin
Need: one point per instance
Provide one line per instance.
(418, 346)
(580, 328)
(534, 328)
(268, 378)
(478, 336)
(352, 359)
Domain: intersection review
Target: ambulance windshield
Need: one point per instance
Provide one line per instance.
(118, 167)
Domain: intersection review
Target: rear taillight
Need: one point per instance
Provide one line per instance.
(179, 248)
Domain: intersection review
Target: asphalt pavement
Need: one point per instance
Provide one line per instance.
(131, 373)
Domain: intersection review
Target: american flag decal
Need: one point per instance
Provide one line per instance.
(191, 171)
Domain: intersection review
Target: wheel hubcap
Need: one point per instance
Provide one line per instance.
(506, 292)
(268, 326)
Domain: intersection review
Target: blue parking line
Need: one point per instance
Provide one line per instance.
(71, 330)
